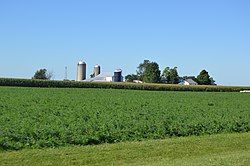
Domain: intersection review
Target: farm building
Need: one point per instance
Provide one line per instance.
(106, 77)
(188, 81)
(103, 77)
(137, 81)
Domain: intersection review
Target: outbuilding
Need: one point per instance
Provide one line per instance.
(188, 81)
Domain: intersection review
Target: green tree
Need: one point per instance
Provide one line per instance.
(149, 72)
(166, 75)
(212, 81)
(170, 75)
(42, 74)
(141, 69)
(131, 77)
(203, 78)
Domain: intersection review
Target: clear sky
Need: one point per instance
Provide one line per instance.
(190, 34)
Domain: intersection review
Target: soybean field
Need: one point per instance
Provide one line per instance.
(53, 117)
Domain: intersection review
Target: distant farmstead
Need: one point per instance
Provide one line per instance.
(97, 76)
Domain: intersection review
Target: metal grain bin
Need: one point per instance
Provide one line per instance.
(118, 76)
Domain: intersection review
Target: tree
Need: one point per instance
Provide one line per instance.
(149, 72)
(141, 69)
(166, 75)
(212, 81)
(170, 76)
(131, 77)
(43, 74)
(203, 78)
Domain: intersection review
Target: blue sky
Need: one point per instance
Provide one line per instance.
(192, 35)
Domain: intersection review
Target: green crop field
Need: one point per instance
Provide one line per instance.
(52, 117)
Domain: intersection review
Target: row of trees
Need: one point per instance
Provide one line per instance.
(149, 72)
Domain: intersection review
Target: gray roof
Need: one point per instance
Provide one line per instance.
(191, 81)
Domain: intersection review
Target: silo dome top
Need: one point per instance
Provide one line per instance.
(97, 65)
(118, 70)
(81, 63)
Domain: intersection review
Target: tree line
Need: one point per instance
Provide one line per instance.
(149, 72)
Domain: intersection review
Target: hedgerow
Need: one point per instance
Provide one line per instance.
(112, 85)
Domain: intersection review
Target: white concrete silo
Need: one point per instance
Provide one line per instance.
(97, 70)
(81, 71)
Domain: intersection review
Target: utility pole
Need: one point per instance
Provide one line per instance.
(66, 73)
